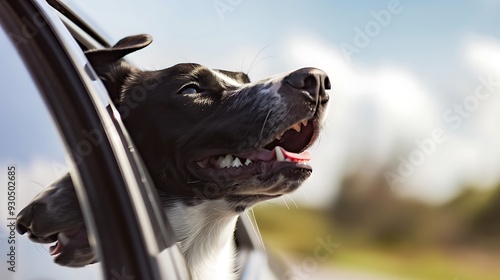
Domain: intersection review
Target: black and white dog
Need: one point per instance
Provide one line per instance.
(196, 126)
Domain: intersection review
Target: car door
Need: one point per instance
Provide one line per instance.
(125, 225)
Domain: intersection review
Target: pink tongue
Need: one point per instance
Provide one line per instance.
(56, 249)
(267, 155)
(304, 156)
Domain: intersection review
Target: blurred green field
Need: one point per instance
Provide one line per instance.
(456, 241)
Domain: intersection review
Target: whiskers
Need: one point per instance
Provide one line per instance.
(41, 249)
(255, 62)
(293, 201)
(255, 227)
(38, 184)
(264, 124)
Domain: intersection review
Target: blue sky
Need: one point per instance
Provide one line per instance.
(392, 93)
(424, 36)
(424, 51)
(394, 90)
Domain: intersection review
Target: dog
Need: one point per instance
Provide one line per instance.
(214, 143)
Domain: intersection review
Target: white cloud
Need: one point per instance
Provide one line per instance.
(483, 133)
(377, 114)
(483, 54)
(374, 112)
(470, 155)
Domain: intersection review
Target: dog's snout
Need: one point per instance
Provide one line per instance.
(24, 219)
(312, 80)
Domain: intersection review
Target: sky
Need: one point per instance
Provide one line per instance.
(415, 84)
(396, 68)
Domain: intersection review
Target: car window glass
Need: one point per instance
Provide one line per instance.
(32, 151)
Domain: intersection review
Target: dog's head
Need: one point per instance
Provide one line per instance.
(208, 134)
(54, 215)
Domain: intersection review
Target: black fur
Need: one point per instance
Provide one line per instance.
(181, 117)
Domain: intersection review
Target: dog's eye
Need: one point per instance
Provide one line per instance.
(191, 89)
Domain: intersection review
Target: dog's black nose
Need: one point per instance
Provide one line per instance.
(24, 219)
(312, 80)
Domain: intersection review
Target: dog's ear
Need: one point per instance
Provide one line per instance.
(114, 75)
(122, 48)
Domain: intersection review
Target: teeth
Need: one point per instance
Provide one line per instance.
(279, 154)
(63, 238)
(229, 161)
(219, 161)
(224, 162)
(297, 127)
(236, 162)
(200, 164)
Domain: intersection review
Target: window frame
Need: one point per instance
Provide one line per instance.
(125, 225)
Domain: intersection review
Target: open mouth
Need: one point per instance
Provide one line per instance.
(64, 238)
(287, 148)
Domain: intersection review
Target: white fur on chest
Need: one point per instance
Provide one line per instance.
(205, 234)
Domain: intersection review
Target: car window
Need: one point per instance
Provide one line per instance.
(32, 156)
